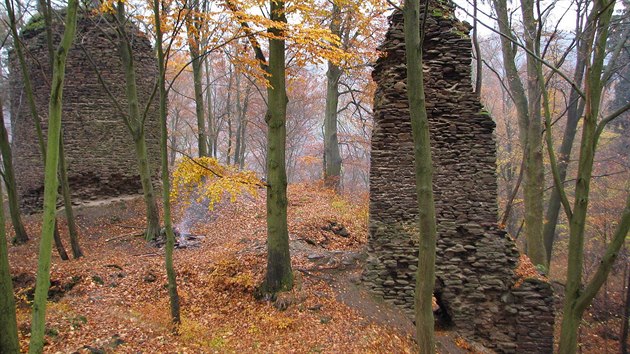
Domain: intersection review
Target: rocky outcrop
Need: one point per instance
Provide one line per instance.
(476, 260)
(99, 149)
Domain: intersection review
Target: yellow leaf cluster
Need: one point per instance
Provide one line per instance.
(205, 179)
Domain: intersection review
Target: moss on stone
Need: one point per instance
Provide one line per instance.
(437, 13)
(34, 24)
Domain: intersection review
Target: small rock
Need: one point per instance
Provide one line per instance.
(325, 319)
(116, 341)
(98, 280)
(93, 350)
(150, 278)
(315, 307)
(283, 301)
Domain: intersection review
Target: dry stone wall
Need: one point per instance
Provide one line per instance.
(99, 149)
(476, 261)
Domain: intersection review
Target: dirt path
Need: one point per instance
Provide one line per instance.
(342, 270)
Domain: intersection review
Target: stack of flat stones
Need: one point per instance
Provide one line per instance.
(476, 260)
(99, 149)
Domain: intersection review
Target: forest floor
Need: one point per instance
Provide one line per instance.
(115, 298)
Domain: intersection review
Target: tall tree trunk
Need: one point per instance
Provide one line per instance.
(61, 249)
(153, 219)
(477, 49)
(166, 184)
(67, 203)
(534, 176)
(211, 141)
(173, 152)
(228, 155)
(135, 123)
(239, 121)
(46, 10)
(26, 79)
(279, 276)
(9, 179)
(574, 112)
(228, 105)
(9, 334)
(425, 275)
(50, 185)
(623, 349)
(530, 124)
(173, 139)
(332, 157)
(202, 145)
(241, 161)
(28, 89)
(577, 297)
(193, 22)
(513, 180)
(243, 126)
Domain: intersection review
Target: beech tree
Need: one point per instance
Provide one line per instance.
(527, 106)
(194, 22)
(134, 119)
(279, 276)
(577, 296)
(355, 24)
(315, 43)
(425, 275)
(50, 184)
(332, 156)
(575, 110)
(9, 334)
(166, 186)
(8, 175)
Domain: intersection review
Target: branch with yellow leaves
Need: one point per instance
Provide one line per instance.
(258, 183)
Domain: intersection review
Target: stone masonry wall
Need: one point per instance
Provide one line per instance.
(476, 260)
(99, 149)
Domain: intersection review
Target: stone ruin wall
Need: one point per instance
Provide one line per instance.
(99, 149)
(476, 260)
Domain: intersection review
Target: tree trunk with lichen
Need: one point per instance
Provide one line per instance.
(425, 275)
(579, 295)
(9, 179)
(73, 231)
(279, 276)
(166, 184)
(50, 183)
(9, 333)
(332, 157)
(193, 22)
(135, 123)
(530, 124)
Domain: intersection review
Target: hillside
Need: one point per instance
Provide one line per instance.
(115, 299)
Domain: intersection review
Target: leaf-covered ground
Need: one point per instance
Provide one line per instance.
(115, 298)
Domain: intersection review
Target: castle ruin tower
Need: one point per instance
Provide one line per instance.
(99, 149)
(477, 287)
